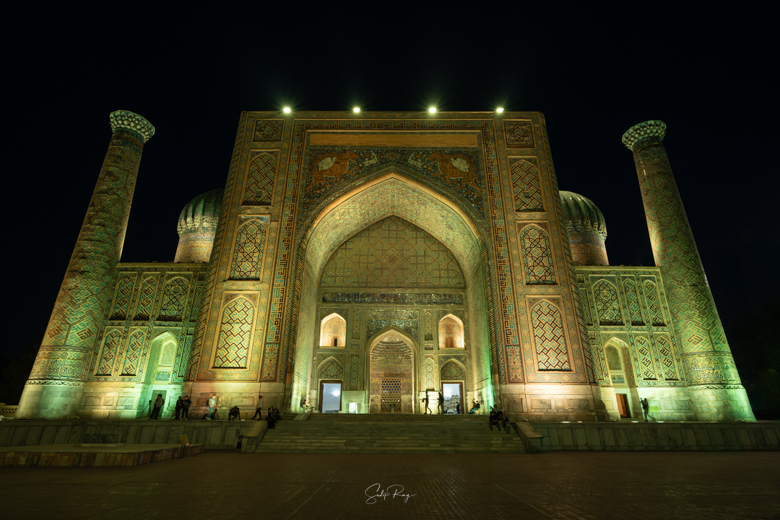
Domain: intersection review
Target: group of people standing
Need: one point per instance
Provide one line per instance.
(182, 407)
(427, 406)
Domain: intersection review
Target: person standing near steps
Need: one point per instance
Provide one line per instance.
(259, 409)
(212, 407)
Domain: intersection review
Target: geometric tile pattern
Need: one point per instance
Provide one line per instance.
(250, 240)
(519, 134)
(514, 364)
(632, 301)
(84, 297)
(268, 130)
(124, 292)
(430, 382)
(392, 253)
(146, 299)
(109, 354)
(695, 317)
(550, 340)
(607, 304)
(451, 371)
(653, 303)
(391, 394)
(134, 349)
(331, 369)
(537, 256)
(526, 187)
(355, 368)
(667, 361)
(645, 358)
(270, 359)
(260, 180)
(235, 334)
(174, 299)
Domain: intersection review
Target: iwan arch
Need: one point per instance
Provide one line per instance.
(385, 255)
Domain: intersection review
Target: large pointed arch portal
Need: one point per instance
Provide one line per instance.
(390, 195)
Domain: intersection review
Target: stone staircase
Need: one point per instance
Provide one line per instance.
(389, 433)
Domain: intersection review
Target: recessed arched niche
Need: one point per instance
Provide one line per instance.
(451, 332)
(333, 331)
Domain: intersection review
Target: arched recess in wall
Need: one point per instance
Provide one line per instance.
(395, 349)
(330, 368)
(248, 250)
(391, 194)
(619, 365)
(234, 340)
(162, 355)
(451, 332)
(333, 331)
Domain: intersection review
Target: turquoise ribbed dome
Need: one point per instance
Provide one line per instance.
(201, 213)
(582, 213)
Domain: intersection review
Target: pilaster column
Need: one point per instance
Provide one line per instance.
(706, 353)
(69, 345)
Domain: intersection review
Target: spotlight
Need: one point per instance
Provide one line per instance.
(432, 110)
(499, 110)
(356, 110)
(287, 110)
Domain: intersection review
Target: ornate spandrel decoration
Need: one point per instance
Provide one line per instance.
(519, 134)
(642, 131)
(126, 120)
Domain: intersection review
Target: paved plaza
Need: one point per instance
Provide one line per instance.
(573, 485)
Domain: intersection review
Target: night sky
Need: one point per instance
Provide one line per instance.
(711, 75)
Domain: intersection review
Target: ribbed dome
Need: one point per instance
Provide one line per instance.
(201, 213)
(582, 213)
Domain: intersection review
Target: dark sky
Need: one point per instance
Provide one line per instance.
(710, 74)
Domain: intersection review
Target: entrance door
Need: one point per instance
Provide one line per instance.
(622, 402)
(453, 395)
(330, 396)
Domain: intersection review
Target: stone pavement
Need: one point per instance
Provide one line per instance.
(561, 485)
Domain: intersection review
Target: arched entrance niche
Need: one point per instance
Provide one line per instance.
(158, 373)
(390, 195)
(621, 374)
(393, 359)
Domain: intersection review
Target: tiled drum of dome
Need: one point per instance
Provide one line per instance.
(549, 337)
(526, 187)
(537, 256)
(250, 240)
(260, 180)
(234, 334)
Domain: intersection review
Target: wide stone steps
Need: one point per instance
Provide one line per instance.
(380, 434)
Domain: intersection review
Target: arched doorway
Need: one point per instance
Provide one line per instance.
(392, 356)
(427, 263)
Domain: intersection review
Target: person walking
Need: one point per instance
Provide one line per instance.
(426, 404)
(259, 409)
(645, 407)
(158, 403)
(185, 408)
(441, 403)
(212, 407)
(179, 405)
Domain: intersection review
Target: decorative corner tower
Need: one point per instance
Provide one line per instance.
(197, 226)
(62, 367)
(715, 388)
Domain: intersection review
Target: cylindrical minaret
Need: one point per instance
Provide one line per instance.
(715, 386)
(197, 226)
(69, 345)
(586, 229)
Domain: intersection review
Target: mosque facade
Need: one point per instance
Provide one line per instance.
(360, 261)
